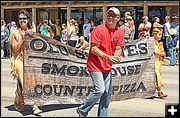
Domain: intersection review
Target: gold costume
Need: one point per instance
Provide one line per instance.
(17, 69)
(158, 49)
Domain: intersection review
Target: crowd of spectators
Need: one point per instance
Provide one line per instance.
(76, 33)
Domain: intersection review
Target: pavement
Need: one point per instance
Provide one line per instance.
(137, 107)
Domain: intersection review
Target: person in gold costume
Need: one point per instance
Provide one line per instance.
(16, 46)
(159, 55)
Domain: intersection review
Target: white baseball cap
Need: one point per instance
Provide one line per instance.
(13, 23)
(129, 18)
(115, 10)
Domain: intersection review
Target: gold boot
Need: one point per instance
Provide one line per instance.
(36, 110)
(162, 95)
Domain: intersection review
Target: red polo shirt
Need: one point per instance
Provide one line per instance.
(108, 40)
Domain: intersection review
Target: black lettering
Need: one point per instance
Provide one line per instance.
(114, 88)
(32, 45)
(80, 90)
(143, 48)
(79, 54)
(141, 87)
(120, 89)
(57, 70)
(55, 89)
(133, 89)
(114, 72)
(38, 90)
(63, 50)
(51, 49)
(137, 70)
(122, 73)
(131, 50)
(69, 90)
(47, 89)
(126, 88)
(83, 72)
(130, 70)
(46, 68)
(72, 70)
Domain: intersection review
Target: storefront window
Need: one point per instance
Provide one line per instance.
(93, 13)
(156, 12)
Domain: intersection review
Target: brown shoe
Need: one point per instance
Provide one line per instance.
(80, 114)
(162, 95)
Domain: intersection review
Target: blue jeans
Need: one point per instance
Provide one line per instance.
(168, 40)
(2, 44)
(102, 82)
(172, 51)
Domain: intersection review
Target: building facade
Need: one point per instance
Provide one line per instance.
(95, 10)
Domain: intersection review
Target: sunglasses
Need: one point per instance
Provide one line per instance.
(112, 15)
(23, 18)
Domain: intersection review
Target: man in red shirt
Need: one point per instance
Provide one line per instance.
(107, 40)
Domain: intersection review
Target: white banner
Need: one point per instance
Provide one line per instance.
(55, 73)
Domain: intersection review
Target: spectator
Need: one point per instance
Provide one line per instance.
(100, 22)
(13, 26)
(83, 44)
(92, 25)
(53, 27)
(175, 25)
(3, 25)
(58, 30)
(125, 29)
(80, 26)
(72, 33)
(172, 43)
(167, 35)
(131, 26)
(64, 33)
(156, 24)
(144, 28)
(125, 17)
(49, 32)
(45, 29)
(38, 27)
(3, 30)
(86, 29)
(126, 14)
(159, 55)
(5, 42)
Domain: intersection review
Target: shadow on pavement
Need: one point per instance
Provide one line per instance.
(45, 108)
(152, 97)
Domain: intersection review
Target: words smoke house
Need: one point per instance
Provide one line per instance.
(55, 73)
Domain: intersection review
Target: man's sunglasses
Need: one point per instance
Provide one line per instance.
(23, 18)
(112, 15)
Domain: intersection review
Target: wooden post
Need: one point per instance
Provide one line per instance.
(145, 10)
(68, 14)
(2, 14)
(34, 18)
(104, 12)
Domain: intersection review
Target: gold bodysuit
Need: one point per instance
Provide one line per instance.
(16, 69)
(158, 49)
